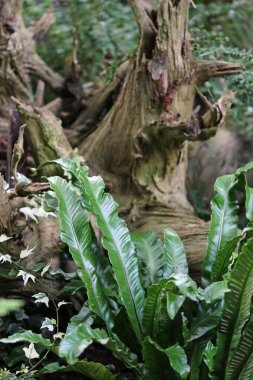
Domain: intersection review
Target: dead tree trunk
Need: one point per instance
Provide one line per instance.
(141, 145)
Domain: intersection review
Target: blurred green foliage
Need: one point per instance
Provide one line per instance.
(223, 30)
(233, 18)
(106, 32)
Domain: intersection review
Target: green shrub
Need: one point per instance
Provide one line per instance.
(142, 303)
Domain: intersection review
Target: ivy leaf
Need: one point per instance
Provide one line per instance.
(30, 352)
(29, 213)
(41, 298)
(46, 268)
(23, 369)
(26, 276)
(26, 252)
(59, 335)
(62, 303)
(35, 213)
(5, 258)
(48, 324)
(4, 238)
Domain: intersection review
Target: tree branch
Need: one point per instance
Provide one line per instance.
(45, 136)
(36, 66)
(216, 115)
(145, 25)
(144, 22)
(205, 70)
(40, 27)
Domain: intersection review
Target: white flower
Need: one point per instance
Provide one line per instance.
(26, 276)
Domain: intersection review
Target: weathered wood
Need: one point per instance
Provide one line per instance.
(44, 135)
(140, 147)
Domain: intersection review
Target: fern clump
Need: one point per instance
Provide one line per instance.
(142, 303)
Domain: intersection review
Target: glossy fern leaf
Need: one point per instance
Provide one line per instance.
(224, 222)
(76, 232)
(150, 252)
(117, 241)
(236, 311)
(175, 260)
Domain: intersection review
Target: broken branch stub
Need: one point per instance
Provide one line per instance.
(45, 136)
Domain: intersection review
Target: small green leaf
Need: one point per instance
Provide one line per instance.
(174, 303)
(155, 360)
(84, 317)
(153, 305)
(209, 354)
(196, 358)
(75, 342)
(175, 260)
(204, 323)
(150, 252)
(214, 292)
(178, 360)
